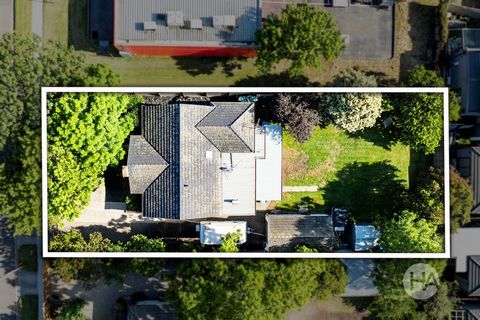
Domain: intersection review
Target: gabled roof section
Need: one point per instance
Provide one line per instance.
(144, 164)
(473, 269)
(230, 127)
(287, 231)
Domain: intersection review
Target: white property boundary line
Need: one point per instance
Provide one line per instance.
(249, 90)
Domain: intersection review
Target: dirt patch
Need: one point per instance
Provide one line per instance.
(332, 309)
(322, 170)
(294, 164)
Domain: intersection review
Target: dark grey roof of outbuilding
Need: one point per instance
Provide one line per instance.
(230, 127)
(130, 16)
(190, 185)
(287, 231)
(473, 270)
(151, 310)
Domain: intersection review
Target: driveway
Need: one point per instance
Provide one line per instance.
(6, 16)
(368, 31)
(8, 275)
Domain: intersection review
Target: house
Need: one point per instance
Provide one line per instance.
(211, 232)
(363, 237)
(186, 27)
(194, 161)
(151, 309)
(285, 232)
(467, 161)
(465, 72)
(6, 16)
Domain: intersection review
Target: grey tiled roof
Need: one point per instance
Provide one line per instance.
(287, 231)
(130, 16)
(473, 269)
(190, 184)
(144, 164)
(230, 127)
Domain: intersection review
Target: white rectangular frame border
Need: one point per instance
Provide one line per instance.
(369, 255)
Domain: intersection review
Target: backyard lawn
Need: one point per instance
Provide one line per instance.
(23, 16)
(362, 173)
(28, 307)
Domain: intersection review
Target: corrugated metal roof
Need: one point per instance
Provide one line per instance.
(287, 231)
(131, 14)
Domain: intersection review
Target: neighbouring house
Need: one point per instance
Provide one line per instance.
(363, 237)
(285, 232)
(186, 27)
(211, 232)
(196, 161)
(6, 16)
(467, 161)
(465, 71)
(151, 309)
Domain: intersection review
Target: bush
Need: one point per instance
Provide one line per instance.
(428, 199)
(133, 202)
(353, 112)
(461, 200)
(354, 78)
(296, 114)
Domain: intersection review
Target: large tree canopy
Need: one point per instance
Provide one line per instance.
(461, 200)
(25, 66)
(251, 289)
(302, 34)
(86, 132)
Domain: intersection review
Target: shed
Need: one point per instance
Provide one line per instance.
(364, 237)
(211, 232)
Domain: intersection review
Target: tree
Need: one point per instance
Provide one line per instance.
(461, 200)
(353, 112)
(392, 301)
(305, 249)
(408, 233)
(238, 289)
(73, 310)
(421, 77)
(353, 78)
(428, 196)
(25, 66)
(418, 120)
(302, 34)
(86, 132)
(230, 241)
(295, 113)
(140, 243)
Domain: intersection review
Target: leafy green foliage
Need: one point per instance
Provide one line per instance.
(251, 289)
(428, 196)
(230, 242)
(86, 132)
(353, 112)
(25, 66)
(393, 303)
(461, 200)
(73, 241)
(305, 249)
(408, 233)
(354, 78)
(73, 310)
(302, 34)
(418, 120)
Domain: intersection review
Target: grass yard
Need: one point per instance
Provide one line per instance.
(168, 71)
(23, 16)
(362, 173)
(29, 307)
(27, 254)
(333, 308)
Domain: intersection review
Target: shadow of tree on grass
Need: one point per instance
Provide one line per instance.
(196, 66)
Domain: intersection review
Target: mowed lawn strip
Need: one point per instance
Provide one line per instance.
(23, 16)
(359, 173)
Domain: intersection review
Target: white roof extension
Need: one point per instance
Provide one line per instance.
(211, 232)
(268, 139)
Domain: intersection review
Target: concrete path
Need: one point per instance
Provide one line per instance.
(37, 17)
(300, 188)
(8, 274)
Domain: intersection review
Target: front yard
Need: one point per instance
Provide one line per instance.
(359, 172)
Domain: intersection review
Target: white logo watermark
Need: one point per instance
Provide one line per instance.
(420, 281)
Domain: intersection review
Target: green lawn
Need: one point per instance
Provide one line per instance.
(362, 173)
(23, 16)
(168, 71)
(29, 307)
(27, 254)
